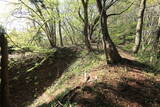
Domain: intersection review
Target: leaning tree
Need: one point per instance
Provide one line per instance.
(111, 52)
(112, 55)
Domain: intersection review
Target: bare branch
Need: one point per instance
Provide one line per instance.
(79, 13)
(121, 11)
(110, 3)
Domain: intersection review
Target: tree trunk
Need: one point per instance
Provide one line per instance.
(60, 34)
(86, 26)
(92, 28)
(156, 43)
(4, 72)
(50, 29)
(90, 33)
(139, 27)
(52, 34)
(157, 36)
(112, 55)
(59, 26)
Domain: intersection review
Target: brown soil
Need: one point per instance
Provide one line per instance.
(124, 85)
(27, 86)
(117, 88)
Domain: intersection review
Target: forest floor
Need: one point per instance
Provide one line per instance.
(69, 78)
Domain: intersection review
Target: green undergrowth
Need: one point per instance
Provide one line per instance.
(84, 64)
(30, 60)
(148, 58)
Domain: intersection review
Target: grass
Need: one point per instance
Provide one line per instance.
(115, 82)
(34, 59)
(84, 64)
(117, 78)
(59, 97)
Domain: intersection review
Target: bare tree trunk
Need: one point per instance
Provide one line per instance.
(156, 43)
(74, 32)
(92, 28)
(86, 25)
(157, 35)
(112, 55)
(52, 34)
(59, 27)
(4, 72)
(139, 27)
(60, 34)
(49, 28)
(66, 29)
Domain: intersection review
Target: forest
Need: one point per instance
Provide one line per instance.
(80, 53)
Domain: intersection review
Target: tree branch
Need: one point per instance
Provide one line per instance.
(120, 12)
(79, 14)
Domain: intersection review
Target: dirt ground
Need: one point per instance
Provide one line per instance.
(27, 86)
(124, 85)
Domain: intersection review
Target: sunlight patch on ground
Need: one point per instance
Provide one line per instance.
(76, 76)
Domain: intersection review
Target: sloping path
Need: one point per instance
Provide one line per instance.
(114, 86)
(122, 85)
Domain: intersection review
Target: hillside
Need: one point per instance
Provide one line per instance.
(79, 53)
(75, 78)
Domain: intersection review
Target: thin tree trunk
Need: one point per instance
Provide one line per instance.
(67, 32)
(92, 28)
(155, 43)
(139, 27)
(86, 26)
(60, 34)
(55, 34)
(112, 55)
(74, 32)
(49, 28)
(59, 27)
(52, 34)
(4, 72)
(157, 35)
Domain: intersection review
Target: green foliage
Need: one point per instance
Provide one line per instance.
(151, 59)
(84, 64)
(45, 16)
(23, 40)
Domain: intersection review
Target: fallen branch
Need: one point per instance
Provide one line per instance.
(38, 65)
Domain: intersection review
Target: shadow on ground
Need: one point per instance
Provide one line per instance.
(127, 93)
(141, 66)
(132, 89)
(133, 63)
(25, 87)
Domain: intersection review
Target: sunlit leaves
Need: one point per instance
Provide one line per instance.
(153, 1)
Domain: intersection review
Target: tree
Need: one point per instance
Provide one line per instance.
(60, 26)
(112, 55)
(155, 47)
(89, 24)
(138, 37)
(4, 70)
(43, 16)
(86, 24)
(92, 28)
(157, 38)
